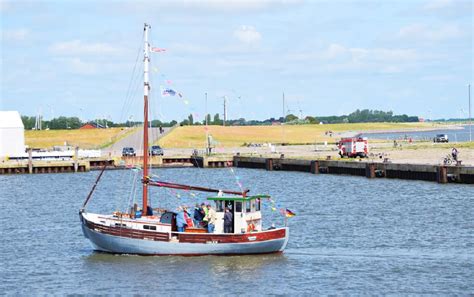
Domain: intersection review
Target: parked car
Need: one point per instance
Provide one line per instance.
(441, 138)
(128, 152)
(156, 150)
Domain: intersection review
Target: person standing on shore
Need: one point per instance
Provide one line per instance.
(211, 219)
(454, 153)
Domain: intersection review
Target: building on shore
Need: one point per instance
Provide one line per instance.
(12, 134)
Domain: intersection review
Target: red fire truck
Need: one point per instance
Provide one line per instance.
(353, 147)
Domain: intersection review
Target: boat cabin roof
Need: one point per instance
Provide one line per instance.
(237, 198)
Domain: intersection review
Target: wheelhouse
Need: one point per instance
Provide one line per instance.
(246, 212)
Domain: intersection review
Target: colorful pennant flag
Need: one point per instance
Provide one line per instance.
(166, 92)
(289, 213)
(157, 49)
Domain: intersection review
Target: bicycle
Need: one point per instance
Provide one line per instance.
(448, 160)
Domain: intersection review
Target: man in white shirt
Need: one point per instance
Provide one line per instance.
(211, 219)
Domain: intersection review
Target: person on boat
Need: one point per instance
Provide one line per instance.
(211, 219)
(180, 220)
(227, 221)
(204, 213)
(198, 215)
(187, 217)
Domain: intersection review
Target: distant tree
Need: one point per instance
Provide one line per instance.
(290, 117)
(217, 120)
(28, 122)
(311, 120)
(190, 119)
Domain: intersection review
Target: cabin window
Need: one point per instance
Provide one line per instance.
(238, 206)
(257, 205)
(253, 205)
(120, 225)
(219, 206)
(148, 227)
(247, 206)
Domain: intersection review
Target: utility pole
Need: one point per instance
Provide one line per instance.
(225, 110)
(283, 107)
(206, 109)
(283, 121)
(470, 119)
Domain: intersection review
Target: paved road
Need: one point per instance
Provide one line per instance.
(134, 140)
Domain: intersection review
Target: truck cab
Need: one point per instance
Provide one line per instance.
(246, 212)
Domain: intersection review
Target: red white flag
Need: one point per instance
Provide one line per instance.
(157, 49)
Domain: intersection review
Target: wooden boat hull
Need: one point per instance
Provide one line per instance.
(126, 241)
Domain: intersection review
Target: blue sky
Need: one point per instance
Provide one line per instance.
(76, 58)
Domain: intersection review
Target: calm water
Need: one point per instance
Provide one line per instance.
(456, 135)
(351, 236)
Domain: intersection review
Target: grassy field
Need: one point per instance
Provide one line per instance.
(233, 136)
(86, 138)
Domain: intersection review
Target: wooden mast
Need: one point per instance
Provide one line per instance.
(146, 90)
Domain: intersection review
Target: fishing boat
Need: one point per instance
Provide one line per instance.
(147, 231)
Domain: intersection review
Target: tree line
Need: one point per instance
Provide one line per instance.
(358, 116)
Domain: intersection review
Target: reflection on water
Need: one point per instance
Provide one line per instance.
(350, 235)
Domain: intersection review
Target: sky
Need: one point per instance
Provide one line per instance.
(84, 58)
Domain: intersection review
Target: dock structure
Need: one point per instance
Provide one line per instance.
(427, 172)
(44, 167)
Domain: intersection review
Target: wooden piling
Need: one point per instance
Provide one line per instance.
(314, 167)
(269, 164)
(76, 155)
(442, 174)
(370, 170)
(30, 161)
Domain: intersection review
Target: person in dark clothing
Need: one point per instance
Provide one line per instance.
(227, 221)
(454, 153)
(198, 215)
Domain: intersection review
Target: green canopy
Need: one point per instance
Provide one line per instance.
(237, 198)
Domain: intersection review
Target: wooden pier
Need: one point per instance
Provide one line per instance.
(426, 172)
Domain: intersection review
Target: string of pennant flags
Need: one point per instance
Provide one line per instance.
(166, 90)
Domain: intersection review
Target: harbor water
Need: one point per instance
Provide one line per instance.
(461, 134)
(350, 236)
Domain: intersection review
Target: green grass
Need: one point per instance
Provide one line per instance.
(86, 138)
(234, 136)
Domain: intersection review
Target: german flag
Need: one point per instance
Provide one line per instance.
(289, 213)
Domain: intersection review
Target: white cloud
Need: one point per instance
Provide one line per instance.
(223, 6)
(449, 8)
(340, 58)
(247, 34)
(77, 47)
(77, 66)
(335, 51)
(438, 4)
(423, 33)
(15, 35)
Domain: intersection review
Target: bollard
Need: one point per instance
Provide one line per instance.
(314, 167)
(441, 174)
(269, 164)
(370, 170)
